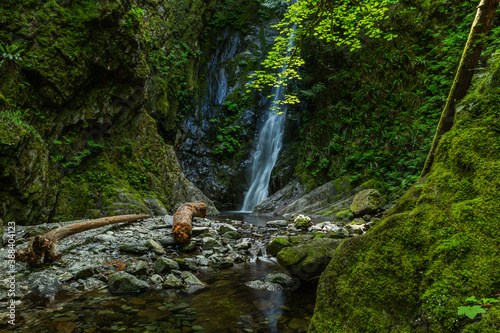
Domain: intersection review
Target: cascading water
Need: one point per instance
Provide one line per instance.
(266, 153)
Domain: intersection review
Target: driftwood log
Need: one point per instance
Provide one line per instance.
(43, 247)
(181, 228)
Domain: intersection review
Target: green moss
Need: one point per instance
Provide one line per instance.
(440, 245)
(343, 214)
(277, 245)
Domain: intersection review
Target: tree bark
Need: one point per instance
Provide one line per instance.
(181, 227)
(43, 247)
(463, 78)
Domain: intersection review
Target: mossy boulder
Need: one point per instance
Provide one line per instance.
(366, 202)
(302, 222)
(441, 245)
(124, 283)
(277, 245)
(308, 259)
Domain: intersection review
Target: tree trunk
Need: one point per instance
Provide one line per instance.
(181, 227)
(470, 57)
(44, 246)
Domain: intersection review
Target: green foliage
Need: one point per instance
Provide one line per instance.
(13, 116)
(341, 23)
(471, 311)
(10, 53)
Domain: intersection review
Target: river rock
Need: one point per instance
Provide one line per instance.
(231, 235)
(308, 259)
(83, 270)
(165, 265)
(44, 284)
(172, 282)
(277, 245)
(92, 283)
(225, 228)
(190, 279)
(168, 241)
(264, 285)
(105, 238)
(134, 248)
(281, 279)
(137, 268)
(122, 282)
(209, 243)
(189, 246)
(245, 245)
(366, 202)
(277, 223)
(302, 222)
(199, 231)
(155, 247)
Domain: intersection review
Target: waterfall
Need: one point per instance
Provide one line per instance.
(268, 146)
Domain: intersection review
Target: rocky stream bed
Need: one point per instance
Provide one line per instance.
(233, 276)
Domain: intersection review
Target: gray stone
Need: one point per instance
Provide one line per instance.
(172, 282)
(189, 246)
(190, 279)
(155, 246)
(264, 285)
(156, 279)
(280, 278)
(165, 265)
(65, 276)
(225, 228)
(123, 282)
(209, 243)
(84, 270)
(92, 283)
(134, 248)
(137, 268)
(231, 235)
(44, 284)
(277, 223)
(105, 238)
(245, 245)
(199, 231)
(168, 220)
(168, 241)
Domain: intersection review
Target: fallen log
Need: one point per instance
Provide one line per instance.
(181, 228)
(43, 247)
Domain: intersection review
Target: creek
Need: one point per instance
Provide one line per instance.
(225, 305)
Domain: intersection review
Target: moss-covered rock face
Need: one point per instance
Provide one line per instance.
(277, 245)
(309, 258)
(99, 82)
(441, 245)
(366, 202)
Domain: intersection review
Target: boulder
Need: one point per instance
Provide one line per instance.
(302, 222)
(277, 223)
(308, 259)
(122, 283)
(44, 284)
(155, 247)
(277, 245)
(190, 279)
(165, 265)
(366, 202)
(83, 270)
(208, 243)
(137, 268)
(172, 282)
(134, 248)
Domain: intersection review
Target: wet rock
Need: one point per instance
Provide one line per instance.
(105, 238)
(277, 245)
(84, 270)
(231, 235)
(189, 246)
(155, 247)
(123, 282)
(245, 245)
(199, 231)
(134, 248)
(202, 260)
(168, 241)
(226, 228)
(65, 276)
(209, 243)
(302, 222)
(224, 263)
(308, 259)
(190, 279)
(92, 283)
(281, 279)
(156, 279)
(44, 284)
(264, 285)
(366, 202)
(165, 265)
(172, 282)
(137, 268)
(277, 223)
